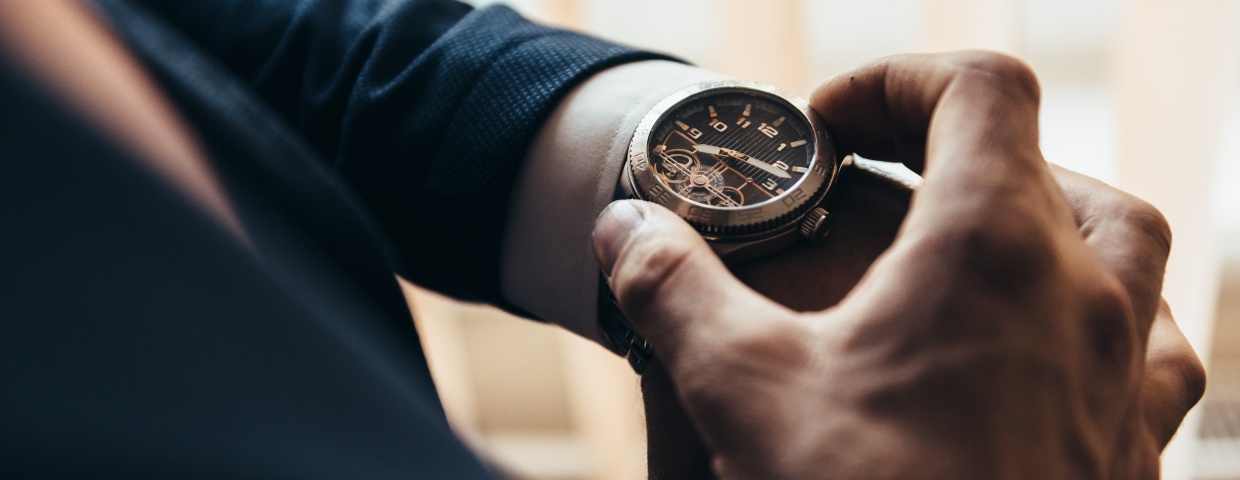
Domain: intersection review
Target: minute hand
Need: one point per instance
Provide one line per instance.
(768, 168)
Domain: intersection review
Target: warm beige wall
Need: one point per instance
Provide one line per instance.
(1175, 71)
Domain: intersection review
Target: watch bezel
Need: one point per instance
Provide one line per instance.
(777, 213)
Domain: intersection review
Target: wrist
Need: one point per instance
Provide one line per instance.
(569, 176)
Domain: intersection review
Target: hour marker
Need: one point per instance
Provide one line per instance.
(800, 169)
(781, 148)
(683, 126)
(779, 190)
(748, 107)
(797, 143)
(778, 122)
(712, 111)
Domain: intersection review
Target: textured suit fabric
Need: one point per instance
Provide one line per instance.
(423, 106)
(141, 338)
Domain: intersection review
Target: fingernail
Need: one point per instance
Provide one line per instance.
(613, 229)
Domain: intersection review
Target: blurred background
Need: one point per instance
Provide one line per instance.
(1143, 94)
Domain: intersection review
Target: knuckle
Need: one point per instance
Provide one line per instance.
(1109, 298)
(1175, 382)
(1009, 251)
(1004, 70)
(1145, 219)
(1111, 324)
(1186, 372)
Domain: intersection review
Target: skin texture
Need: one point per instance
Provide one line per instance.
(866, 214)
(1013, 328)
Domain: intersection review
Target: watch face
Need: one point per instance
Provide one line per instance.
(731, 148)
(738, 160)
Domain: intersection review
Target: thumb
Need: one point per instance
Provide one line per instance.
(672, 287)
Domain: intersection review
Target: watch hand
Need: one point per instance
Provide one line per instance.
(708, 187)
(768, 168)
(669, 160)
(761, 165)
(711, 149)
(721, 152)
(722, 196)
(764, 166)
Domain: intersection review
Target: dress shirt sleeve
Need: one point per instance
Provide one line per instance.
(425, 107)
(568, 177)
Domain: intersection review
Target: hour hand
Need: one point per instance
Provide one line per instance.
(711, 149)
(766, 167)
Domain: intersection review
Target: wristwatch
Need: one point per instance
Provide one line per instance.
(746, 164)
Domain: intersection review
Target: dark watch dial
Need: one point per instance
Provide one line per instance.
(740, 161)
(731, 148)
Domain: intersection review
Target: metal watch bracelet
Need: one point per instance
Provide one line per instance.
(618, 333)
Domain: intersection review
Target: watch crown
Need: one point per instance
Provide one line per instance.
(816, 224)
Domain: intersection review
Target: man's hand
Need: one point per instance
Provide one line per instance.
(1003, 335)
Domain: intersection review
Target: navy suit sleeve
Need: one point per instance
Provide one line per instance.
(426, 108)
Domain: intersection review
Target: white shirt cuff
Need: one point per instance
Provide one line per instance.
(569, 176)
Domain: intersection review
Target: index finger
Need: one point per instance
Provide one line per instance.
(883, 110)
(969, 123)
(962, 117)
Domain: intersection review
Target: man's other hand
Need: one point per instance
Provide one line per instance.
(1011, 330)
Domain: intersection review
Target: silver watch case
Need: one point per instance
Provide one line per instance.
(737, 232)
